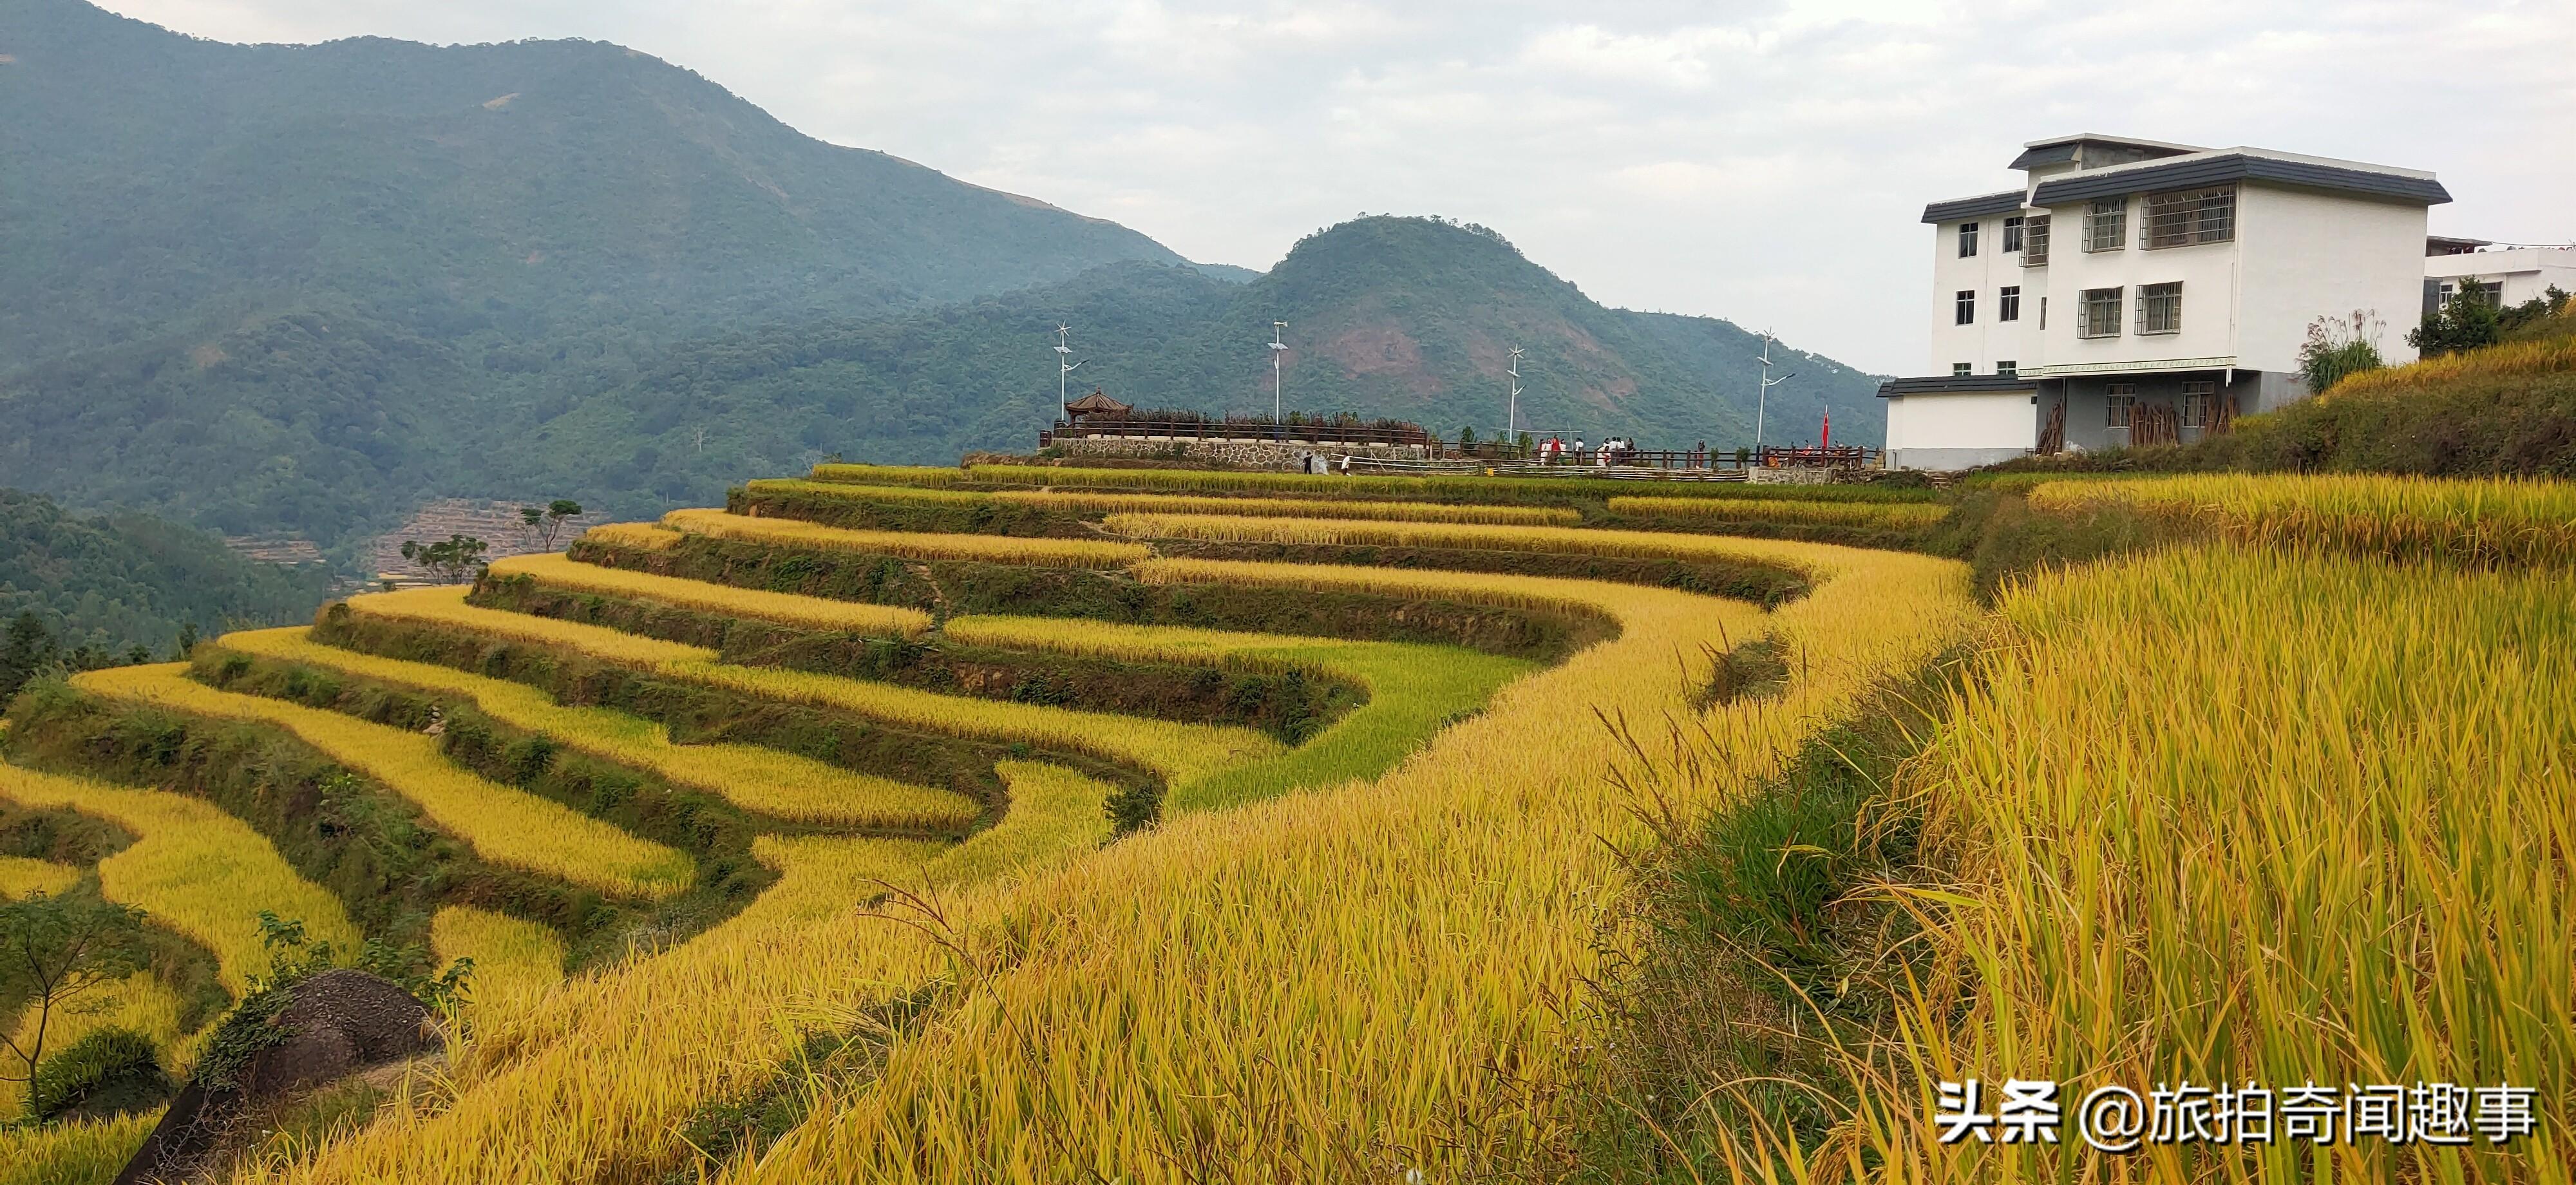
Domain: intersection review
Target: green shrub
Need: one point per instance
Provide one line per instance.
(112, 1071)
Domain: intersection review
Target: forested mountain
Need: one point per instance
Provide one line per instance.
(113, 581)
(1407, 317)
(305, 289)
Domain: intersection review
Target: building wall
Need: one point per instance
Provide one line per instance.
(2088, 407)
(1989, 340)
(2208, 272)
(2310, 255)
(1966, 419)
(2526, 272)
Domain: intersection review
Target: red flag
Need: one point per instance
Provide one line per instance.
(1829, 427)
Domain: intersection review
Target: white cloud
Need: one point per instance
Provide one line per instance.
(1759, 160)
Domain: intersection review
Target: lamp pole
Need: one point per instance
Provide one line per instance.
(1512, 411)
(1278, 329)
(1063, 366)
(1762, 399)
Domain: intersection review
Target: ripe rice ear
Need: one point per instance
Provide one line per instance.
(21, 876)
(2466, 521)
(504, 825)
(1088, 500)
(1562, 540)
(640, 536)
(1891, 514)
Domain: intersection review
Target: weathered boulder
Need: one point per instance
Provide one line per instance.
(333, 1025)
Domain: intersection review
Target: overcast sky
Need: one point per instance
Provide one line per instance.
(1762, 162)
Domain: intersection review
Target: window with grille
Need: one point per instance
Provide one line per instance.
(2034, 241)
(2008, 303)
(2008, 368)
(2160, 308)
(2197, 398)
(2099, 314)
(1964, 307)
(2117, 401)
(1960, 370)
(2106, 224)
(2012, 233)
(2187, 216)
(1967, 239)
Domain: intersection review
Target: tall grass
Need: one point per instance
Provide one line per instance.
(1054, 553)
(2226, 814)
(503, 825)
(192, 868)
(72, 1152)
(763, 780)
(1175, 750)
(1414, 691)
(1084, 500)
(21, 876)
(2470, 521)
(1883, 514)
(555, 571)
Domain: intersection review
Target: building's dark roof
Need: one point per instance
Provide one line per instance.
(2007, 202)
(2447, 245)
(1951, 384)
(2236, 166)
(1097, 402)
(2046, 154)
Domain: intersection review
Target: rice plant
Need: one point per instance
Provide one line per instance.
(640, 536)
(558, 572)
(516, 961)
(2469, 521)
(995, 549)
(503, 825)
(1343, 532)
(72, 1151)
(910, 475)
(1076, 499)
(21, 876)
(192, 868)
(139, 1002)
(1175, 750)
(1874, 514)
(1560, 489)
(763, 780)
(2226, 813)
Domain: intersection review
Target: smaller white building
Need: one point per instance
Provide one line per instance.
(2136, 291)
(2510, 274)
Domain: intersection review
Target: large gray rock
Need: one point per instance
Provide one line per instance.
(335, 1024)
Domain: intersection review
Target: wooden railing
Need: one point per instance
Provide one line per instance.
(1250, 432)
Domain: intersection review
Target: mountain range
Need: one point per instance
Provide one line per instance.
(302, 289)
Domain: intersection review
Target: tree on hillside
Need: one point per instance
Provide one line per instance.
(2467, 321)
(54, 949)
(455, 561)
(27, 648)
(544, 525)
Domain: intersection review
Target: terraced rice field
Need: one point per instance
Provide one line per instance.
(504, 825)
(763, 780)
(1376, 953)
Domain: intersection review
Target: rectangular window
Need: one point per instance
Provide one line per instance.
(2009, 368)
(1967, 239)
(1960, 370)
(2117, 400)
(2160, 308)
(2043, 312)
(2106, 224)
(2008, 303)
(2187, 216)
(2034, 241)
(2099, 315)
(1965, 307)
(2197, 398)
(2012, 233)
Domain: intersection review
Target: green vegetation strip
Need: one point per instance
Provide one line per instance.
(1899, 514)
(1082, 500)
(1449, 489)
(763, 780)
(556, 571)
(1414, 691)
(1062, 553)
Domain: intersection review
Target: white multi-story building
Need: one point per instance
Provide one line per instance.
(2510, 274)
(2133, 290)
